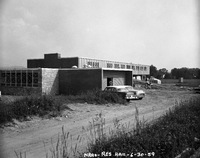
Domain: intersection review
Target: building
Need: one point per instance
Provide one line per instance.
(29, 81)
(55, 75)
(54, 60)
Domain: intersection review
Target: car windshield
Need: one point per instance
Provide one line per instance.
(122, 89)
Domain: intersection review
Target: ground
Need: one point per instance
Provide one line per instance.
(36, 136)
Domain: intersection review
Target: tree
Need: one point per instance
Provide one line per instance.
(153, 71)
(187, 73)
(161, 73)
(168, 76)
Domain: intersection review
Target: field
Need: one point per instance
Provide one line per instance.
(186, 82)
(38, 137)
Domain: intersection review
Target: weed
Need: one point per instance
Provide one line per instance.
(20, 154)
(29, 106)
(64, 148)
(36, 105)
(167, 137)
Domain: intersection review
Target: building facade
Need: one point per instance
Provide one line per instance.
(55, 75)
(55, 61)
(29, 81)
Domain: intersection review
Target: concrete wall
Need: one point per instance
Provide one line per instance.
(75, 81)
(50, 81)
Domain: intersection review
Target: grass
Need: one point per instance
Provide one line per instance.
(186, 82)
(28, 106)
(22, 108)
(63, 149)
(167, 137)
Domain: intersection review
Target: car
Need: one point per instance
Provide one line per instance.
(127, 92)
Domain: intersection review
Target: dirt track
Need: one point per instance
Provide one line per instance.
(30, 136)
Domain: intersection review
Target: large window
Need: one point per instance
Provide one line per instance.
(20, 78)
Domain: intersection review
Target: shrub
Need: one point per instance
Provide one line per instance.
(35, 105)
(102, 97)
(29, 106)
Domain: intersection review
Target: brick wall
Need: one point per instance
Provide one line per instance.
(50, 81)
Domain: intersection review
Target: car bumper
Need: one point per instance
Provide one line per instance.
(132, 97)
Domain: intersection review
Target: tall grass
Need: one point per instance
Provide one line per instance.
(29, 106)
(35, 105)
(167, 137)
(64, 148)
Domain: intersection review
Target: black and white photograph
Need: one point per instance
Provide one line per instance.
(99, 78)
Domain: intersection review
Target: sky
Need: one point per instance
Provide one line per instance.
(163, 33)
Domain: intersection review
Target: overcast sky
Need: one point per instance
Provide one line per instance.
(164, 33)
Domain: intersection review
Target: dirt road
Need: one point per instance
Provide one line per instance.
(36, 136)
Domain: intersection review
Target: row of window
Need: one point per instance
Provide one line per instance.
(20, 79)
(123, 66)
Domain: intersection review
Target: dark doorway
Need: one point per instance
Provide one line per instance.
(109, 81)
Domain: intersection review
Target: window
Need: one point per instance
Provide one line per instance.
(128, 66)
(20, 78)
(122, 66)
(30, 79)
(117, 66)
(109, 65)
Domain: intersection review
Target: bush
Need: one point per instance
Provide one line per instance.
(102, 97)
(29, 106)
(94, 97)
(35, 105)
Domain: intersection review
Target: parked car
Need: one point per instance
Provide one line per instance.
(127, 92)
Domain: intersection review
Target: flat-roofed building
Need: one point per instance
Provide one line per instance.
(54, 60)
(55, 75)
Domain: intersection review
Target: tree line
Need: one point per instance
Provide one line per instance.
(176, 73)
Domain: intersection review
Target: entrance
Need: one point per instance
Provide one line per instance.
(109, 81)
